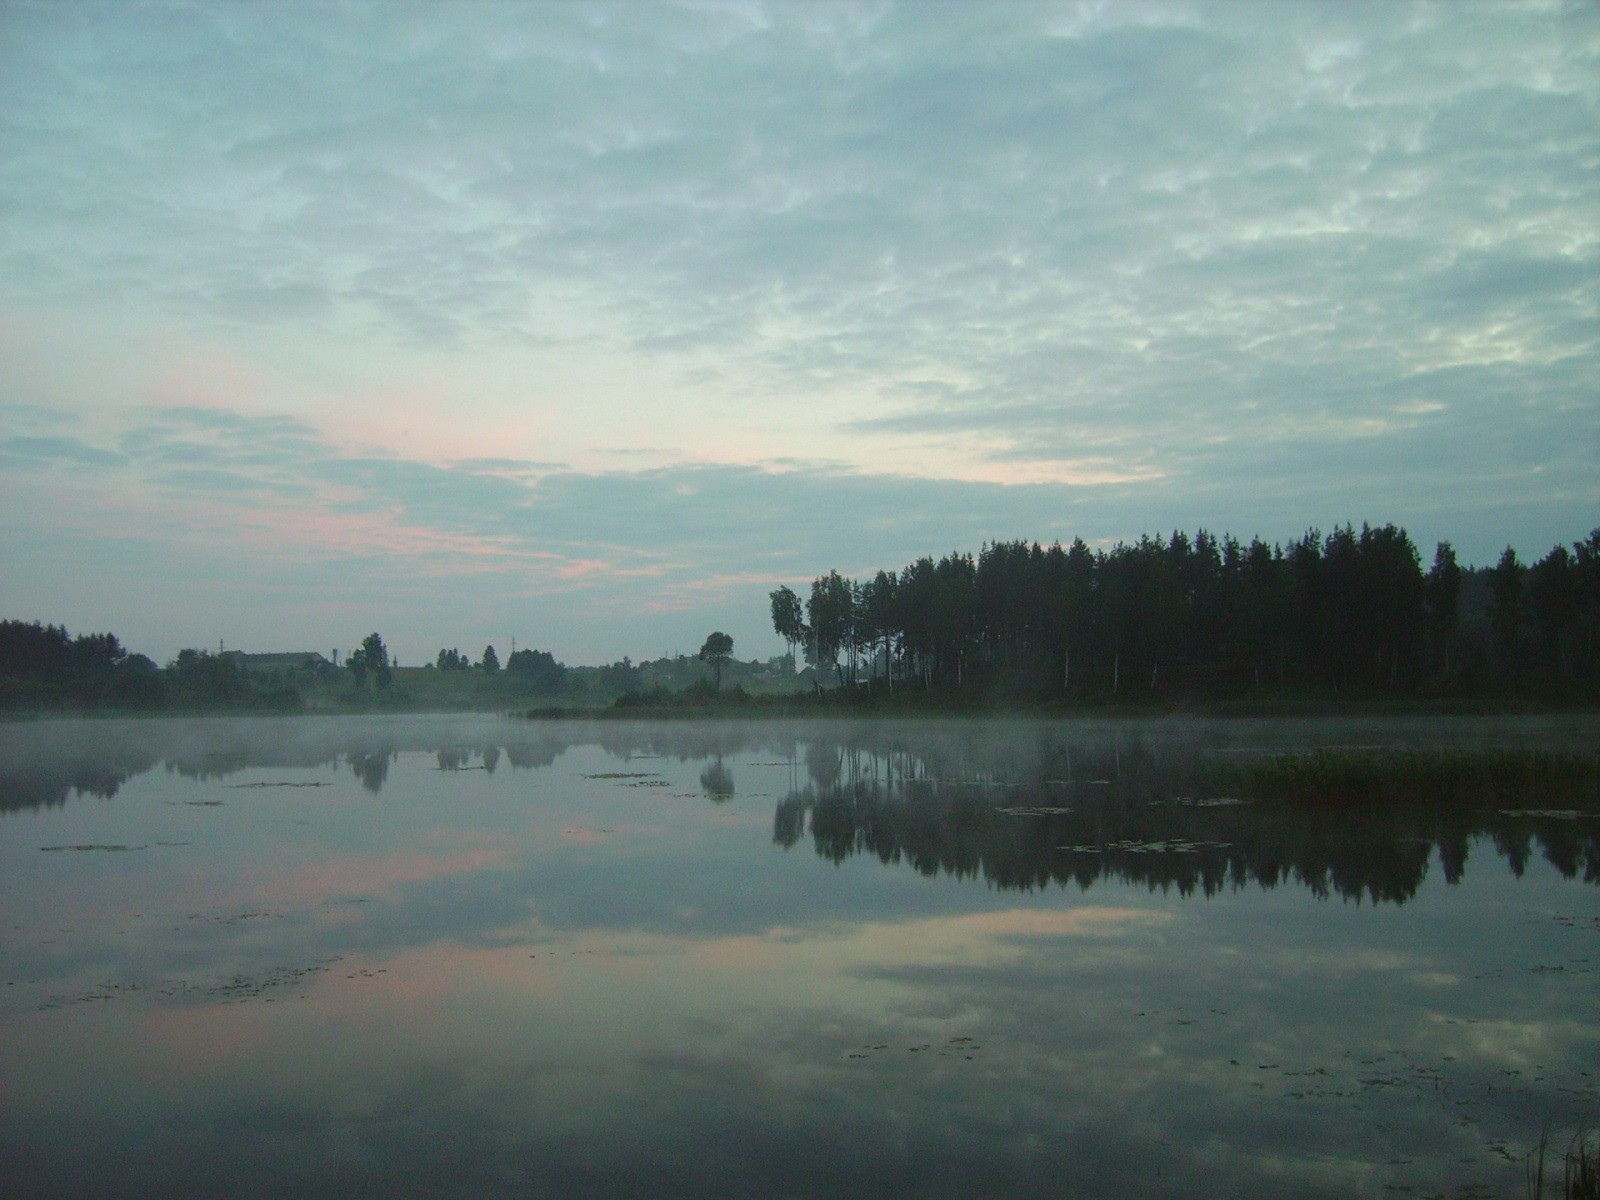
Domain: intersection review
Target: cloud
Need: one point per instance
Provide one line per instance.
(23, 453)
(849, 283)
(282, 524)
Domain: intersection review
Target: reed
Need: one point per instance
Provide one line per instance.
(1580, 1166)
(1580, 1169)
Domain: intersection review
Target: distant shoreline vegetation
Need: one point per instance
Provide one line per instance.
(44, 670)
(1347, 617)
(1326, 624)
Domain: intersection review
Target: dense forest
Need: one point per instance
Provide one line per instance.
(1352, 613)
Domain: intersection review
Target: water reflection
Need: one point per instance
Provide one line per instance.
(717, 781)
(442, 957)
(1018, 805)
(1155, 827)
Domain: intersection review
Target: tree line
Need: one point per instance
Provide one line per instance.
(1349, 612)
(43, 666)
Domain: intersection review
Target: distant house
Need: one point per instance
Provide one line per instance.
(285, 663)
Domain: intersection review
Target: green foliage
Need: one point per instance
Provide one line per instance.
(716, 652)
(701, 695)
(538, 668)
(371, 658)
(43, 666)
(198, 679)
(136, 684)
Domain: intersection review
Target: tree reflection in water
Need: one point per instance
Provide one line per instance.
(1020, 804)
(1152, 814)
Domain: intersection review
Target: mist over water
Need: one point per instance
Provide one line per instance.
(471, 955)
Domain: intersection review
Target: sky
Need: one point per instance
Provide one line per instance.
(588, 325)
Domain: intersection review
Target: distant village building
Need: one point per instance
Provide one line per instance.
(284, 663)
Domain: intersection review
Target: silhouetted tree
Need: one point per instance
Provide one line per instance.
(1553, 602)
(877, 605)
(718, 649)
(1443, 605)
(538, 667)
(1505, 611)
(831, 613)
(1351, 610)
(372, 657)
(1586, 585)
(788, 617)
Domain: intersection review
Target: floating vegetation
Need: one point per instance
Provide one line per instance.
(102, 992)
(203, 803)
(649, 783)
(956, 1047)
(275, 784)
(1360, 775)
(250, 987)
(1025, 810)
(234, 918)
(117, 848)
(623, 775)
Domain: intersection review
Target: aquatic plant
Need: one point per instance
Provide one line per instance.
(1369, 776)
(1580, 1166)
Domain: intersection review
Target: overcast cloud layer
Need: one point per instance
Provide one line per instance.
(590, 324)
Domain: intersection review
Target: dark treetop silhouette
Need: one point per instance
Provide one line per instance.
(1351, 613)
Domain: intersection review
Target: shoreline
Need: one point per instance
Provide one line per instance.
(832, 706)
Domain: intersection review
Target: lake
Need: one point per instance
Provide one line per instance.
(469, 956)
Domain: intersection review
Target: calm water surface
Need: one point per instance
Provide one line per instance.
(470, 956)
